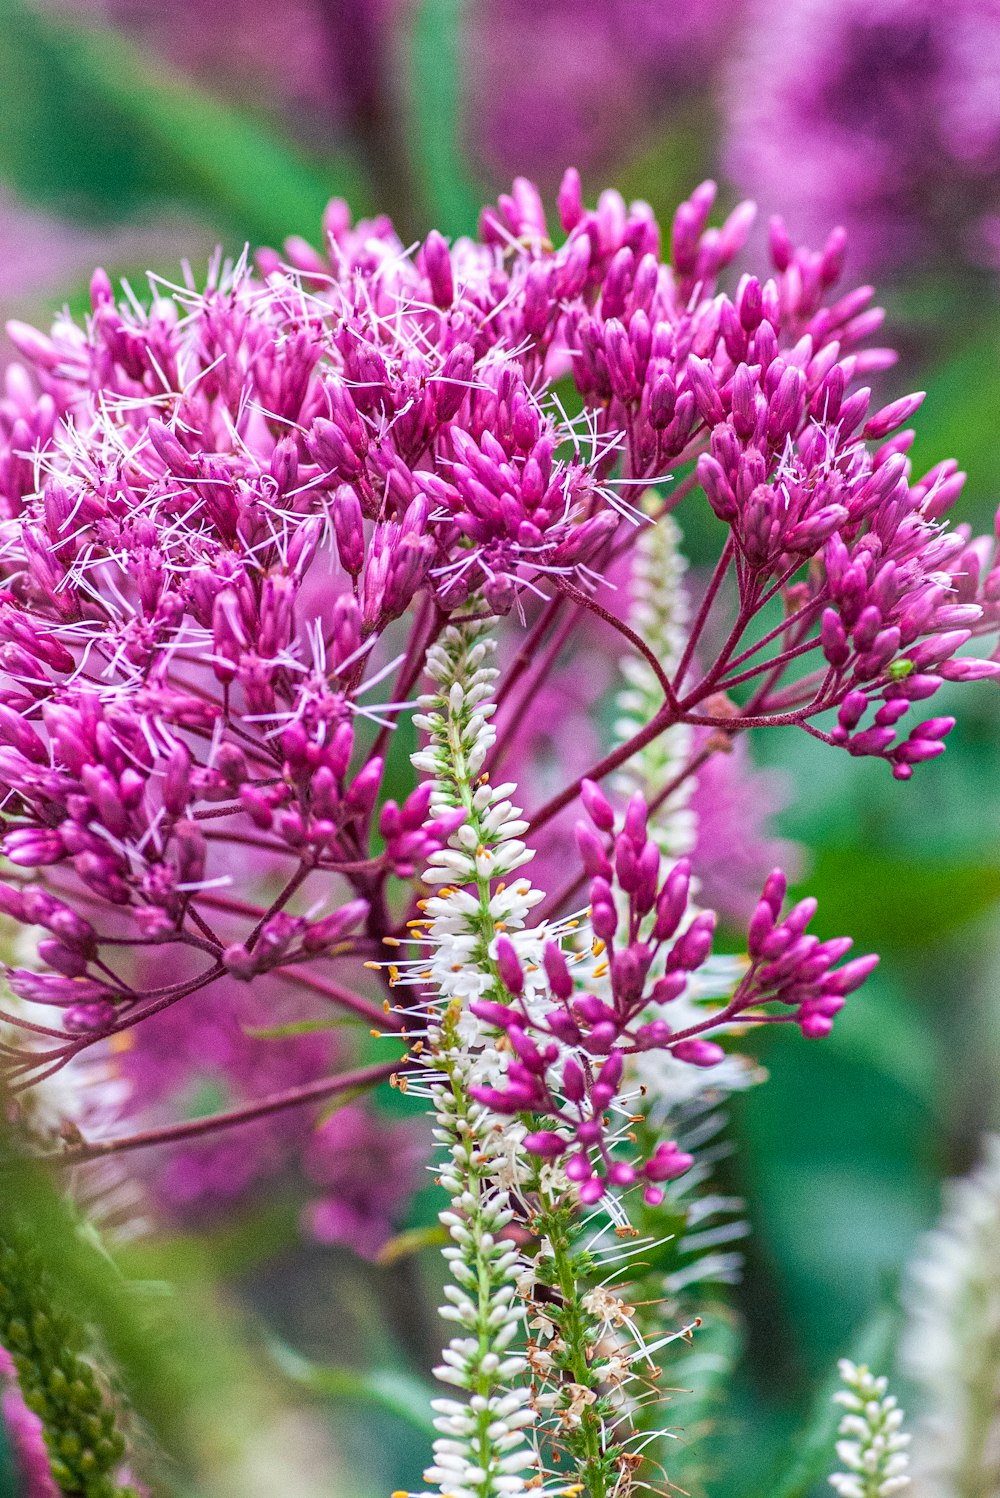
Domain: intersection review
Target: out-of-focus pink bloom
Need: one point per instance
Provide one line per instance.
(736, 848)
(41, 254)
(570, 81)
(187, 1063)
(883, 115)
(368, 1168)
(24, 1431)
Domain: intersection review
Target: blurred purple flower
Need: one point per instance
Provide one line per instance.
(367, 1167)
(881, 114)
(40, 253)
(184, 1064)
(733, 803)
(621, 66)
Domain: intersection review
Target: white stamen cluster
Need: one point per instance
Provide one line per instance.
(482, 1450)
(487, 847)
(951, 1348)
(873, 1443)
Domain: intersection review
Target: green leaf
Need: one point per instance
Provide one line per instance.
(156, 136)
(388, 1389)
(435, 99)
(298, 1027)
(412, 1242)
(815, 1456)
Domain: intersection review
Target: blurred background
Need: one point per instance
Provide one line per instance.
(137, 132)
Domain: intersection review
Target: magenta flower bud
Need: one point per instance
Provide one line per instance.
(390, 823)
(333, 928)
(969, 668)
(621, 363)
(668, 988)
(809, 535)
(546, 1144)
(871, 741)
(177, 780)
(853, 409)
(672, 901)
(50, 988)
(557, 971)
(34, 847)
(815, 1026)
(611, 1071)
(81, 1019)
(191, 853)
(892, 416)
(167, 447)
(67, 960)
(780, 244)
(573, 1081)
(785, 408)
(602, 1038)
(578, 1168)
(698, 1052)
(667, 1162)
(653, 1036)
(799, 916)
(852, 710)
(570, 199)
(598, 806)
(621, 1174)
(493, 1014)
(363, 790)
(437, 265)
(626, 977)
(348, 528)
(891, 712)
(761, 926)
(595, 859)
(12, 903)
(626, 864)
(636, 819)
(833, 639)
(452, 385)
(933, 728)
(917, 751)
(691, 949)
(662, 400)
(717, 488)
(509, 965)
(851, 976)
(591, 1191)
(774, 891)
(21, 736)
(239, 963)
(701, 381)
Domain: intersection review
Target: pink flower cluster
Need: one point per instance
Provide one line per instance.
(232, 514)
(637, 919)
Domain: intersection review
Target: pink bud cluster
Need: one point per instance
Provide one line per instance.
(569, 1058)
(229, 515)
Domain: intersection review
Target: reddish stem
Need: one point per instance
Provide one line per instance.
(308, 1092)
